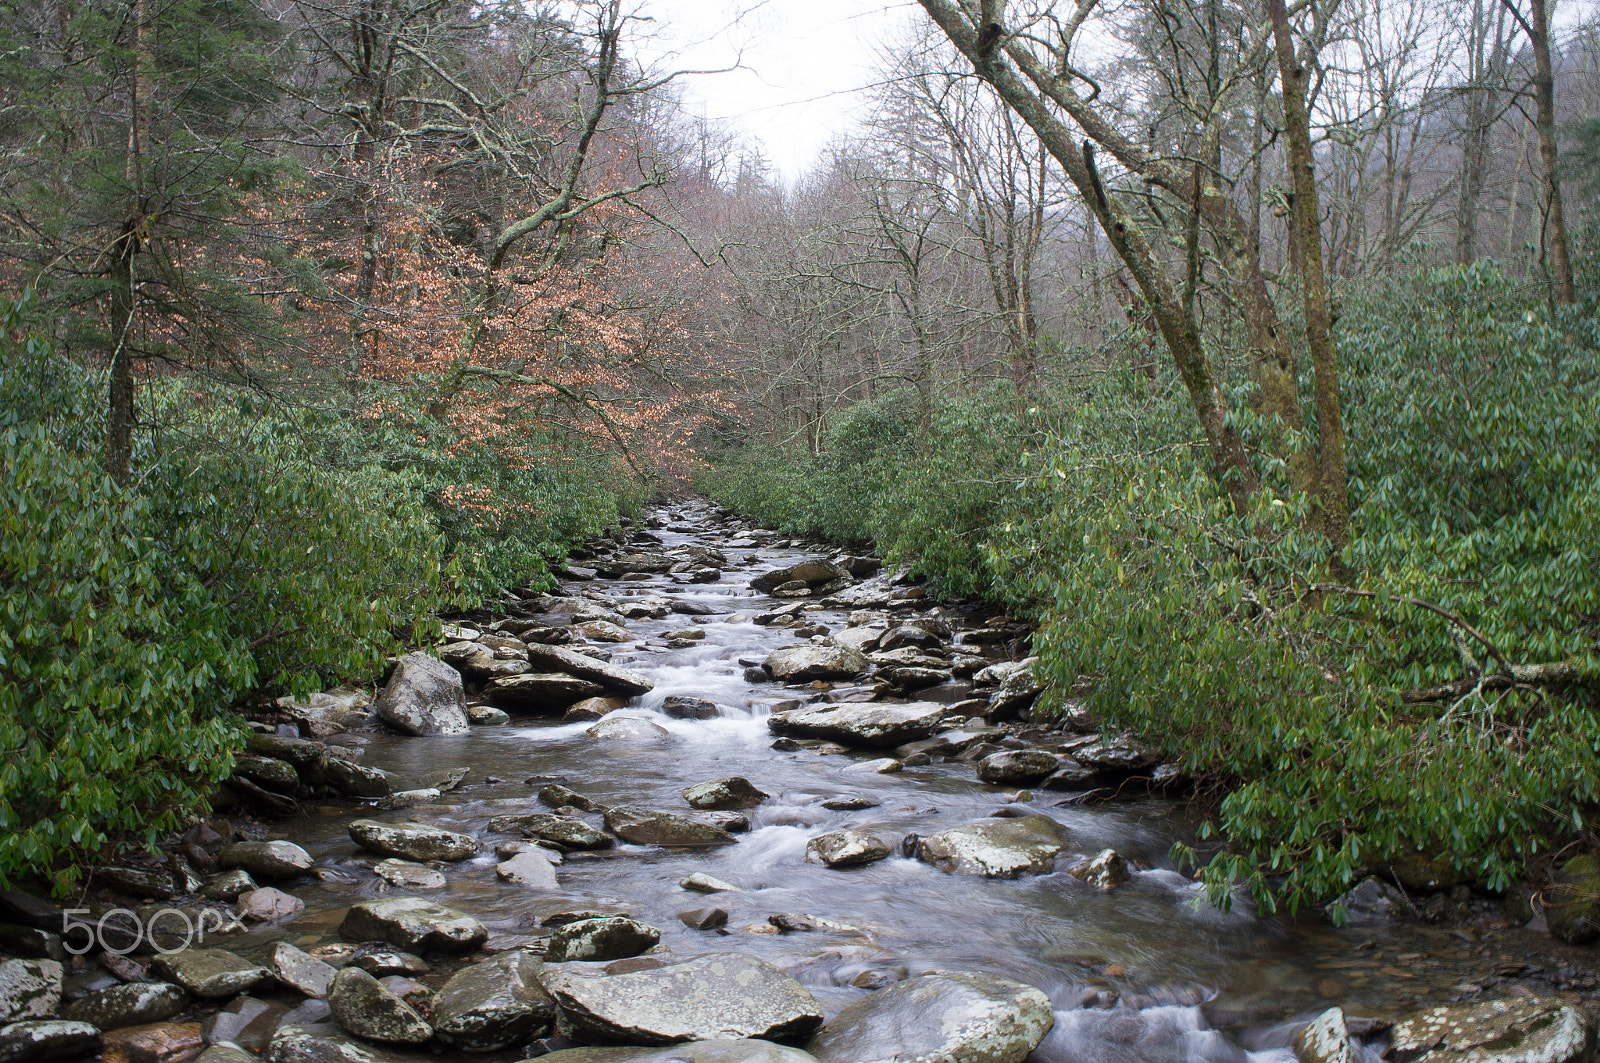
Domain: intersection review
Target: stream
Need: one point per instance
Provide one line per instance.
(1143, 972)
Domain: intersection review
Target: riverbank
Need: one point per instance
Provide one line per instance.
(573, 786)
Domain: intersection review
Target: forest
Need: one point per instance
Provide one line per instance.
(1251, 351)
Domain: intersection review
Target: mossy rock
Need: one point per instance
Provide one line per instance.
(1572, 903)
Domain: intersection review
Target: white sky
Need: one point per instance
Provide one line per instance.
(803, 64)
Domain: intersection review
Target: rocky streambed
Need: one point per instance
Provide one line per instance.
(726, 797)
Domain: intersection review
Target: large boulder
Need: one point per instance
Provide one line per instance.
(860, 723)
(568, 832)
(493, 1005)
(717, 995)
(366, 1009)
(649, 826)
(816, 573)
(531, 869)
(848, 848)
(211, 973)
(939, 1018)
(806, 661)
(424, 696)
(324, 1043)
(128, 1005)
(1572, 903)
(1514, 1030)
(29, 989)
(1017, 690)
(720, 795)
(300, 971)
(613, 679)
(271, 860)
(545, 693)
(47, 1040)
(608, 938)
(1018, 767)
(412, 841)
(413, 923)
(997, 848)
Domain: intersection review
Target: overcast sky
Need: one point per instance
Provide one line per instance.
(803, 64)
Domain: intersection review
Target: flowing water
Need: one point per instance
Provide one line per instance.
(1145, 972)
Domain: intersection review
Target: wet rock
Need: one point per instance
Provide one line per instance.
(223, 1052)
(602, 631)
(702, 883)
(228, 885)
(493, 1005)
(274, 774)
(1572, 901)
(413, 923)
(546, 693)
(812, 573)
(1325, 1039)
(704, 918)
(412, 841)
(1018, 687)
(1106, 870)
(351, 779)
(939, 1018)
(28, 942)
(162, 1042)
(530, 870)
(908, 635)
(487, 716)
(211, 973)
(613, 679)
(647, 826)
(322, 1043)
(1515, 1030)
(29, 989)
(366, 1009)
(848, 848)
(718, 995)
(716, 1051)
(557, 796)
(266, 860)
(424, 696)
(565, 831)
(299, 971)
(814, 660)
(1371, 901)
(405, 874)
(47, 1041)
(610, 938)
(128, 1005)
(997, 848)
(686, 708)
(28, 910)
(1071, 775)
(1018, 767)
(248, 1023)
(733, 792)
(627, 729)
(269, 905)
(384, 964)
(1116, 753)
(591, 709)
(914, 677)
(850, 803)
(861, 723)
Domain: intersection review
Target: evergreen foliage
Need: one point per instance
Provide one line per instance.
(1353, 706)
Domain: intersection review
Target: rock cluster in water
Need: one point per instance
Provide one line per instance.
(407, 971)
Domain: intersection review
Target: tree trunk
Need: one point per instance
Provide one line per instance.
(1332, 497)
(1537, 27)
(125, 252)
